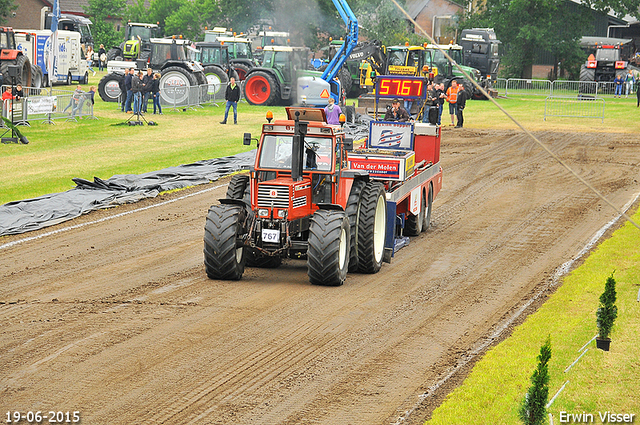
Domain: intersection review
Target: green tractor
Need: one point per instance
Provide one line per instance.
(283, 79)
(137, 44)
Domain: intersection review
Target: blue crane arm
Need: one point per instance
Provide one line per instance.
(350, 42)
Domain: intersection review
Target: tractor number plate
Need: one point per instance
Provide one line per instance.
(269, 235)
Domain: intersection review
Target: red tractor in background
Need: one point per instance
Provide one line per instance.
(10, 55)
(310, 196)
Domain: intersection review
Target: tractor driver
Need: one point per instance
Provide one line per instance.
(396, 112)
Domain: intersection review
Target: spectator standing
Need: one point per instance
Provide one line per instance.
(440, 96)
(396, 112)
(617, 82)
(430, 102)
(136, 88)
(75, 98)
(332, 111)
(102, 57)
(90, 59)
(156, 93)
(147, 89)
(629, 80)
(461, 104)
(128, 77)
(452, 98)
(232, 96)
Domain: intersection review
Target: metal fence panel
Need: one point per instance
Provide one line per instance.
(524, 87)
(574, 107)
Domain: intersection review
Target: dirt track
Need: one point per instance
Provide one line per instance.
(118, 320)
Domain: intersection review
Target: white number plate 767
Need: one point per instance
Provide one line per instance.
(269, 235)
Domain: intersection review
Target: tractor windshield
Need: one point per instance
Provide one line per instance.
(243, 50)
(213, 55)
(162, 52)
(608, 54)
(276, 152)
(142, 32)
(397, 57)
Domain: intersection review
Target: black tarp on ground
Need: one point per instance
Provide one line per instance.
(33, 214)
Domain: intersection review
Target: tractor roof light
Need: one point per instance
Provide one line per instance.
(342, 119)
(406, 43)
(269, 116)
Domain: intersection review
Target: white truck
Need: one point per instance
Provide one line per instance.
(70, 63)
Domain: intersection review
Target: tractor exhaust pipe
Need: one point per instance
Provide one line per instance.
(297, 151)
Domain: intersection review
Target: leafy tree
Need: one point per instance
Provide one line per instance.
(102, 12)
(533, 409)
(6, 8)
(383, 21)
(526, 27)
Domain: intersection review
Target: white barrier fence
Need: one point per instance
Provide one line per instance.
(533, 87)
(574, 107)
(180, 98)
(46, 104)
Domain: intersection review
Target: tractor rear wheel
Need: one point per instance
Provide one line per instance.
(23, 64)
(224, 253)
(260, 88)
(216, 78)
(110, 87)
(372, 228)
(328, 253)
(37, 80)
(587, 81)
(352, 209)
(413, 223)
(175, 85)
(241, 69)
(345, 79)
(238, 188)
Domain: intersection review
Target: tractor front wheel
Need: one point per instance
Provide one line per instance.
(111, 86)
(261, 89)
(224, 253)
(328, 253)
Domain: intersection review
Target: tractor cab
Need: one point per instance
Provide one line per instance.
(298, 159)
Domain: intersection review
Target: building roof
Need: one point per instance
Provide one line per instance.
(416, 6)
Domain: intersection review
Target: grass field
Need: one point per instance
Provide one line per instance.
(599, 382)
(57, 153)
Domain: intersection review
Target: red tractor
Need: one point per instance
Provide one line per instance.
(308, 196)
(10, 55)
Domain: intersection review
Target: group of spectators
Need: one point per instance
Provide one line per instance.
(627, 81)
(140, 88)
(455, 95)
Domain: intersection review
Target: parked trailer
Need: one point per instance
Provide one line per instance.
(310, 196)
(70, 64)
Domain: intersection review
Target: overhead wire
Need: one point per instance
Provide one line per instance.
(527, 132)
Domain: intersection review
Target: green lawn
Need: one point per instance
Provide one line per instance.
(599, 382)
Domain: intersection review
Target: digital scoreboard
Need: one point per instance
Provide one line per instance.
(401, 87)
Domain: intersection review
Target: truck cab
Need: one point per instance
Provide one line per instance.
(480, 50)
